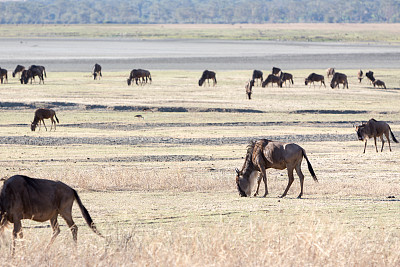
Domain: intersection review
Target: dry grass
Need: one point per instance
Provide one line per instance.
(188, 212)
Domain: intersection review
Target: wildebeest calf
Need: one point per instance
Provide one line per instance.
(379, 83)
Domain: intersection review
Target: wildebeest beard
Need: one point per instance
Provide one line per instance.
(359, 134)
(241, 192)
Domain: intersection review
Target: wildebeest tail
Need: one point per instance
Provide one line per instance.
(56, 118)
(86, 214)
(394, 138)
(310, 168)
(44, 70)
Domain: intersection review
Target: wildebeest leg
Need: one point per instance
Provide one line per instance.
(44, 125)
(291, 179)
(387, 137)
(56, 229)
(383, 142)
(258, 184)
(376, 148)
(16, 231)
(53, 122)
(263, 176)
(71, 224)
(365, 145)
(301, 176)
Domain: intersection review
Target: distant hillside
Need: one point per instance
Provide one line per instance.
(198, 11)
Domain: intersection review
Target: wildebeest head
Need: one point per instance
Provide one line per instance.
(360, 130)
(306, 81)
(241, 183)
(94, 75)
(33, 126)
(129, 81)
(201, 81)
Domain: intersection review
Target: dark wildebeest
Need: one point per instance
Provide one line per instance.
(339, 78)
(249, 87)
(3, 75)
(315, 78)
(276, 71)
(284, 77)
(374, 128)
(360, 75)
(271, 79)
(97, 71)
(18, 69)
(40, 68)
(379, 83)
(30, 75)
(264, 154)
(330, 72)
(40, 115)
(40, 200)
(370, 76)
(207, 75)
(139, 75)
(258, 75)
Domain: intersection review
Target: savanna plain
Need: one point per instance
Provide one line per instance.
(161, 187)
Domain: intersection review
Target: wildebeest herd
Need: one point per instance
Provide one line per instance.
(23, 197)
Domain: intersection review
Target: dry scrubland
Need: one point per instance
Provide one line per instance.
(163, 190)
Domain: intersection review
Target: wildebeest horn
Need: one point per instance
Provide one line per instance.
(237, 170)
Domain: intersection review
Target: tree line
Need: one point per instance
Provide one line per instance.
(198, 11)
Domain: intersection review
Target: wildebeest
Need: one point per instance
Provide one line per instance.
(257, 75)
(249, 87)
(379, 83)
(40, 115)
(370, 76)
(271, 79)
(40, 68)
(139, 75)
(330, 72)
(339, 78)
(18, 69)
(276, 71)
(374, 128)
(30, 75)
(40, 200)
(208, 75)
(3, 75)
(360, 75)
(264, 154)
(286, 77)
(313, 77)
(97, 71)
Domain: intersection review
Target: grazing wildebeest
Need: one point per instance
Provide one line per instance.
(379, 83)
(40, 68)
(40, 200)
(374, 128)
(339, 78)
(139, 75)
(257, 75)
(271, 79)
(97, 71)
(330, 72)
(264, 154)
(370, 76)
(207, 75)
(276, 71)
(40, 115)
(360, 75)
(284, 77)
(249, 87)
(30, 75)
(18, 69)
(3, 75)
(313, 77)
